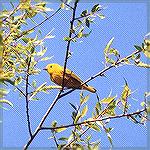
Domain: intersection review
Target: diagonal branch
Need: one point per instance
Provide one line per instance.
(69, 42)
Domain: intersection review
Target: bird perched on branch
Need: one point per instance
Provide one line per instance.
(71, 80)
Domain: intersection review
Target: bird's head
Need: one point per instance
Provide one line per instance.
(51, 68)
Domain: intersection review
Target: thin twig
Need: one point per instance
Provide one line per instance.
(94, 120)
(42, 120)
(27, 98)
(20, 91)
(39, 23)
(54, 137)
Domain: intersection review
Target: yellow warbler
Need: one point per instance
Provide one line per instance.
(70, 79)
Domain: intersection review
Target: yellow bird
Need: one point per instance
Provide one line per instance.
(70, 79)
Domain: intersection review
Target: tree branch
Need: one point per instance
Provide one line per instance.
(42, 121)
(27, 97)
(69, 42)
(94, 120)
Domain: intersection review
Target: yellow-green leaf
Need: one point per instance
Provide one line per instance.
(147, 48)
(125, 93)
(106, 50)
(84, 99)
(60, 129)
(108, 100)
(84, 111)
(54, 123)
(6, 102)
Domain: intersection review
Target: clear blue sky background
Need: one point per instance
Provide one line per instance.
(127, 23)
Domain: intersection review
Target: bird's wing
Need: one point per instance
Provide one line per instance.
(71, 74)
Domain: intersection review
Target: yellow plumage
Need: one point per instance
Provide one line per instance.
(70, 79)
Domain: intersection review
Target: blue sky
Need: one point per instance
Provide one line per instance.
(127, 23)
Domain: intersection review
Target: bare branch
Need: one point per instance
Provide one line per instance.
(27, 97)
(69, 42)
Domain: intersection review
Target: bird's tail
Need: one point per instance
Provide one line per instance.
(89, 88)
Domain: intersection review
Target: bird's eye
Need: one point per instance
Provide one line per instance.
(50, 66)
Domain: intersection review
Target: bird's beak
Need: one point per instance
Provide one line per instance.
(45, 69)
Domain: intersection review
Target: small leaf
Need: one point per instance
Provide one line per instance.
(60, 129)
(34, 83)
(144, 65)
(54, 123)
(87, 22)
(101, 16)
(45, 58)
(3, 92)
(95, 8)
(77, 118)
(84, 99)
(18, 80)
(147, 48)
(94, 127)
(6, 102)
(79, 35)
(125, 93)
(73, 106)
(84, 111)
(40, 88)
(63, 139)
(106, 50)
(109, 138)
(84, 13)
(108, 130)
(107, 100)
(66, 38)
(62, 5)
(138, 47)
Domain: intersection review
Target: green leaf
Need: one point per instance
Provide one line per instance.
(40, 88)
(109, 130)
(101, 16)
(108, 100)
(3, 92)
(60, 129)
(95, 8)
(87, 22)
(147, 48)
(84, 13)
(66, 38)
(106, 50)
(6, 102)
(54, 123)
(125, 93)
(77, 118)
(63, 139)
(34, 83)
(26, 40)
(73, 106)
(79, 35)
(84, 99)
(84, 111)
(138, 47)
(18, 81)
(142, 64)
(45, 58)
(79, 23)
(109, 138)
(94, 127)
